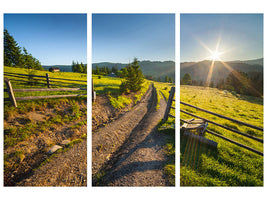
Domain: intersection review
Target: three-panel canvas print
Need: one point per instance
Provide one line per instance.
(136, 100)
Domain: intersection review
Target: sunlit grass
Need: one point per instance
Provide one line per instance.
(16, 84)
(106, 85)
(229, 165)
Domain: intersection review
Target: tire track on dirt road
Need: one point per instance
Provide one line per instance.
(140, 158)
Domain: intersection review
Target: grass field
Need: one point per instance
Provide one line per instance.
(16, 84)
(111, 86)
(228, 165)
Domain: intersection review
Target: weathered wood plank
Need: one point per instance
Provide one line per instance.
(222, 116)
(68, 79)
(47, 89)
(171, 115)
(10, 92)
(93, 92)
(47, 80)
(236, 143)
(49, 97)
(201, 139)
(232, 141)
(225, 127)
(169, 104)
(6, 73)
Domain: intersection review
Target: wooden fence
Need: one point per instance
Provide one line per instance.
(169, 105)
(227, 128)
(42, 80)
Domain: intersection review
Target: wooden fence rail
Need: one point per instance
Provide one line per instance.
(222, 116)
(47, 80)
(227, 128)
(169, 105)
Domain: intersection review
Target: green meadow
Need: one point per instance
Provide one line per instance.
(17, 84)
(228, 165)
(111, 86)
(11, 133)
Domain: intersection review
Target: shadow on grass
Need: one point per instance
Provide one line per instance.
(250, 99)
(191, 150)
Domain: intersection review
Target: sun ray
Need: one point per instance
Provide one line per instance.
(243, 80)
(209, 74)
(215, 55)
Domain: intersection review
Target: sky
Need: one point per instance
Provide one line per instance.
(122, 37)
(54, 39)
(241, 36)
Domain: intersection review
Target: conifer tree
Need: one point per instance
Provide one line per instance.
(134, 78)
(12, 52)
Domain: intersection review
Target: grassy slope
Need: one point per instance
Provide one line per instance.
(65, 75)
(14, 135)
(111, 86)
(229, 165)
(169, 129)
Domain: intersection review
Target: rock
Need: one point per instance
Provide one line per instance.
(65, 142)
(54, 148)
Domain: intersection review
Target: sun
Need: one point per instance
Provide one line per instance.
(215, 55)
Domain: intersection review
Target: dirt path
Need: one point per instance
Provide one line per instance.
(68, 169)
(130, 150)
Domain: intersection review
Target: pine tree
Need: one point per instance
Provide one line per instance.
(134, 77)
(12, 52)
(186, 80)
(13, 56)
(166, 79)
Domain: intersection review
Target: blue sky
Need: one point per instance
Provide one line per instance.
(241, 36)
(54, 39)
(121, 37)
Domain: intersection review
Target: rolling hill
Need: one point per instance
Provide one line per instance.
(153, 68)
(199, 70)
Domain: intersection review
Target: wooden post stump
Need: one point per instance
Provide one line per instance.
(10, 92)
(47, 80)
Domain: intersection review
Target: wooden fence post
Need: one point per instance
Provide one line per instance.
(10, 92)
(47, 80)
(169, 104)
(93, 92)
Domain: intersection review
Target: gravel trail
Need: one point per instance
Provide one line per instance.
(68, 169)
(133, 153)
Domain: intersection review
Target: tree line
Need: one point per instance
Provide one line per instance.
(122, 73)
(250, 83)
(166, 79)
(15, 56)
(105, 70)
(79, 67)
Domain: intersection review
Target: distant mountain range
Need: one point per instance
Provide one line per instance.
(199, 70)
(153, 68)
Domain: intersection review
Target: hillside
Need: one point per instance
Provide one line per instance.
(153, 68)
(36, 126)
(199, 70)
(228, 165)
